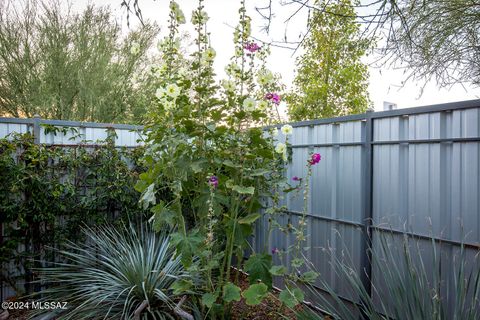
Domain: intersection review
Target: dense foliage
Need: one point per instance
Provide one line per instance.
(211, 165)
(331, 79)
(74, 66)
(47, 192)
(134, 276)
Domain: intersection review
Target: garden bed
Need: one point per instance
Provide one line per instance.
(270, 308)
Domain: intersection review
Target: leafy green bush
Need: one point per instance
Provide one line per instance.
(75, 66)
(48, 191)
(112, 275)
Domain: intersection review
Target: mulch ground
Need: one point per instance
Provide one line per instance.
(18, 314)
(270, 308)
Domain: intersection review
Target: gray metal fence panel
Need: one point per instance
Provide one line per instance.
(75, 133)
(415, 170)
(411, 170)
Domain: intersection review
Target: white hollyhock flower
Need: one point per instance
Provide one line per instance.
(135, 49)
(160, 93)
(287, 129)
(280, 148)
(172, 90)
(249, 104)
(263, 105)
(209, 54)
(199, 17)
(265, 77)
(169, 105)
(228, 85)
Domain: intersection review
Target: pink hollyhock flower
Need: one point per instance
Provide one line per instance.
(213, 180)
(296, 178)
(252, 47)
(316, 157)
(275, 250)
(274, 97)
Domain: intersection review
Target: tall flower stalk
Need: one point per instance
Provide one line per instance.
(202, 128)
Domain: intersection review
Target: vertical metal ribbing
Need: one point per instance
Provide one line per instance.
(36, 129)
(366, 260)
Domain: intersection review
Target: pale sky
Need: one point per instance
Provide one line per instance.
(385, 84)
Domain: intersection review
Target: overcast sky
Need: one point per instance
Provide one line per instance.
(385, 84)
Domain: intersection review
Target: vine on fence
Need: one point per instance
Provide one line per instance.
(47, 192)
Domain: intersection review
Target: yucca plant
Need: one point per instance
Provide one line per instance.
(124, 273)
(445, 287)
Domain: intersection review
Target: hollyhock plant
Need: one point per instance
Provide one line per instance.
(287, 129)
(316, 157)
(273, 97)
(199, 127)
(213, 181)
(249, 104)
(252, 47)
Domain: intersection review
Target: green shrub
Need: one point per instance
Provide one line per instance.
(48, 191)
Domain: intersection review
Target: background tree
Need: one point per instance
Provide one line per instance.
(70, 66)
(331, 79)
(432, 40)
(435, 39)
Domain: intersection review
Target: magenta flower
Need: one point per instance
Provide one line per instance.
(213, 181)
(252, 47)
(296, 178)
(316, 157)
(275, 250)
(273, 97)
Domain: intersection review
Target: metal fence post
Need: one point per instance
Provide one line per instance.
(36, 129)
(368, 208)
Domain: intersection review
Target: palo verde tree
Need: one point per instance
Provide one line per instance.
(65, 65)
(435, 39)
(331, 79)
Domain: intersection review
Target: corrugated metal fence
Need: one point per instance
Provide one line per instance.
(411, 170)
(87, 133)
(67, 134)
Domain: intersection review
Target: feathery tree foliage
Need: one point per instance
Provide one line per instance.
(65, 65)
(331, 79)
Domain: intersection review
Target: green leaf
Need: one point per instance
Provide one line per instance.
(297, 262)
(187, 245)
(251, 218)
(197, 166)
(259, 172)
(181, 286)
(244, 190)
(309, 276)
(258, 268)
(255, 294)
(278, 270)
(148, 196)
(229, 184)
(162, 215)
(231, 164)
(211, 127)
(231, 292)
(291, 297)
(208, 299)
